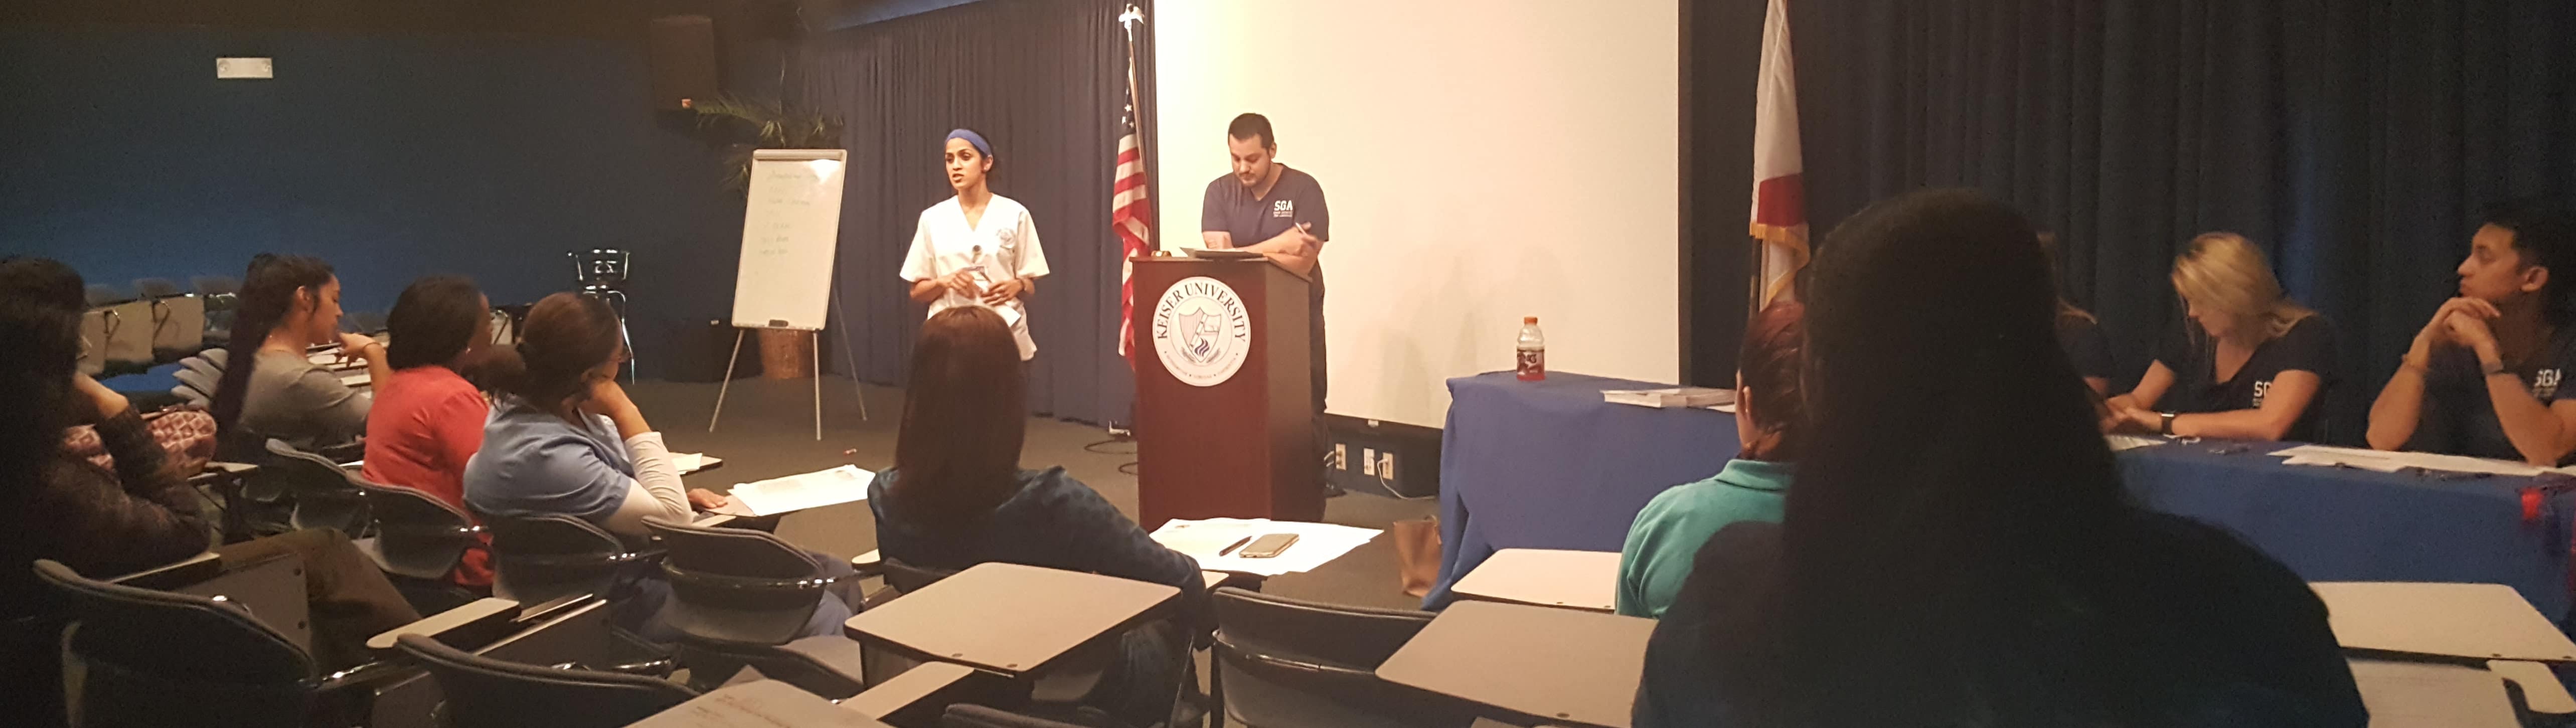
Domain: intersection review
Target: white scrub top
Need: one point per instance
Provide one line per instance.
(1005, 243)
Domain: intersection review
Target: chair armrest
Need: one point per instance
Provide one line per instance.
(871, 563)
(920, 694)
(2541, 691)
(465, 628)
(194, 569)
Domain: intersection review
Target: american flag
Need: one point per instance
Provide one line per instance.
(1129, 213)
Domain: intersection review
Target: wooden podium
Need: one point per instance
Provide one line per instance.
(1224, 396)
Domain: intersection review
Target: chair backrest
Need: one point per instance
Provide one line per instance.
(738, 585)
(141, 657)
(363, 322)
(215, 285)
(600, 266)
(157, 288)
(102, 294)
(417, 535)
(482, 691)
(1291, 663)
(542, 557)
(907, 578)
(325, 494)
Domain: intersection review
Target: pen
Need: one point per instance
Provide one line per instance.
(1238, 543)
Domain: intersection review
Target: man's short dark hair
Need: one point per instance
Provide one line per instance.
(1249, 125)
(2544, 235)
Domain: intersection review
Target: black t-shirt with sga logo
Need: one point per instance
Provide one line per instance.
(1294, 199)
(2308, 346)
(2459, 415)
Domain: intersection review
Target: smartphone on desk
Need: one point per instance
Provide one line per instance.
(1268, 545)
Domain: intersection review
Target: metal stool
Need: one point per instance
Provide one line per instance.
(602, 275)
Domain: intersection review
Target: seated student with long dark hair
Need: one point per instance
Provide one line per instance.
(1770, 411)
(2079, 332)
(956, 497)
(106, 522)
(1958, 549)
(2485, 377)
(271, 389)
(568, 441)
(2245, 362)
(428, 420)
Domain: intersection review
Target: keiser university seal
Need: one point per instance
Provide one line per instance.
(1202, 331)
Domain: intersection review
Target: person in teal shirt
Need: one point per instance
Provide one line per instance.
(1752, 487)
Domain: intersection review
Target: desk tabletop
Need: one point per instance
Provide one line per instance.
(1010, 618)
(1555, 665)
(1586, 580)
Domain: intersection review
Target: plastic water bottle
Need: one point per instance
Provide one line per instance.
(1533, 351)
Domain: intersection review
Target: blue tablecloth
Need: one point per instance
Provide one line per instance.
(2337, 524)
(1549, 465)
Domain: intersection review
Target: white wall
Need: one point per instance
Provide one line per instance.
(1484, 160)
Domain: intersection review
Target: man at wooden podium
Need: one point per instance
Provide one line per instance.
(1263, 206)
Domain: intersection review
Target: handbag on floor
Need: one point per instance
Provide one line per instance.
(1417, 554)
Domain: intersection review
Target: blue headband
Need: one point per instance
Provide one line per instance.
(971, 138)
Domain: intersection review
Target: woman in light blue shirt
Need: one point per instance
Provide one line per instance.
(1752, 487)
(565, 440)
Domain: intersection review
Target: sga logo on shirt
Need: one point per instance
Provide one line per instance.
(1283, 208)
(2544, 384)
(2261, 387)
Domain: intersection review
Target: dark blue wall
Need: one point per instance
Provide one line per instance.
(391, 156)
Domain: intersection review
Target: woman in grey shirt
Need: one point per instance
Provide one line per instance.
(270, 390)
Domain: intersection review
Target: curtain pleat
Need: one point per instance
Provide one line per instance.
(1041, 80)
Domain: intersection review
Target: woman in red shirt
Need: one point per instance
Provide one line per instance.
(428, 420)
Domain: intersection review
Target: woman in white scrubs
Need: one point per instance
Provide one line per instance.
(977, 248)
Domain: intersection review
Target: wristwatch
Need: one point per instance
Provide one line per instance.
(2167, 428)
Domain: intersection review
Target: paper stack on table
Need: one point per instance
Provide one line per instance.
(799, 492)
(1317, 543)
(2390, 462)
(1671, 397)
(2120, 442)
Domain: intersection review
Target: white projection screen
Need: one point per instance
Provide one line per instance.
(1484, 160)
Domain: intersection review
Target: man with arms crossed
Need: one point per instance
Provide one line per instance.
(2484, 377)
(1267, 208)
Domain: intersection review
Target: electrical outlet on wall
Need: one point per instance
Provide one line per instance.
(1386, 464)
(1341, 456)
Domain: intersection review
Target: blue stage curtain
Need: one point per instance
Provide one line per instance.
(1044, 82)
(2355, 140)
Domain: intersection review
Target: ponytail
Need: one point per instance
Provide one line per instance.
(269, 292)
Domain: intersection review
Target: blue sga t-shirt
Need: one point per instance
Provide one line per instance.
(2308, 346)
(2459, 416)
(1294, 199)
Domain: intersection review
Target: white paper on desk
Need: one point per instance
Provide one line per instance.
(2121, 442)
(2389, 462)
(761, 704)
(1317, 543)
(690, 462)
(2428, 695)
(798, 492)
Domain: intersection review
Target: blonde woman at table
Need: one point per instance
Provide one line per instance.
(1958, 550)
(1769, 405)
(2245, 363)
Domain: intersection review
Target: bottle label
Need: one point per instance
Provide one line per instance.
(1533, 365)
